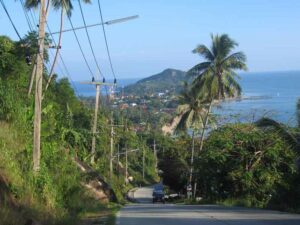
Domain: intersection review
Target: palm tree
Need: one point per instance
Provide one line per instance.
(190, 113)
(44, 9)
(214, 79)
(217, 72)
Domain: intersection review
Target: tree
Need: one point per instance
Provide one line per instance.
(44, 9)
(216, 75)
(190, 113)
(245, 163)
(292, 138)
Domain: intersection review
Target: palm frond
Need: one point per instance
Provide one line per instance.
(32, 4)
(233, 85)
(198, 69)
(282, 131)
(205, 52)
(226, 44)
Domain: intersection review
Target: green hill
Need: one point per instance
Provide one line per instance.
(169, 79)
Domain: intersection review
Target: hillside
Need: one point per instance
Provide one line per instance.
(169, 79)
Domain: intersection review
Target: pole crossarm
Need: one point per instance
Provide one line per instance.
(123, 153)
(98, 83)
(100, 24)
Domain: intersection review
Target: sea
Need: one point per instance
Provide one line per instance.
(266, 94)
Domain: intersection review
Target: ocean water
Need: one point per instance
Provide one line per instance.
(272, 94)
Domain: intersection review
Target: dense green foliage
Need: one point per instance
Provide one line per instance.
(56, 194)
(248, 164)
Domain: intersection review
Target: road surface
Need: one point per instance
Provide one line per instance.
(146, 213)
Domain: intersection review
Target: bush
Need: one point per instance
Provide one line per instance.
(243, 162)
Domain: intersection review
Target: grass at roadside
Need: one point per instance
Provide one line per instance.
(104, 215)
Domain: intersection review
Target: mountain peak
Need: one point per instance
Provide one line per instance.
(167, 79)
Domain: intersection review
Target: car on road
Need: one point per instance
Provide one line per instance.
(158, 196)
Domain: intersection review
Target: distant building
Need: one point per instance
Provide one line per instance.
(124, 106)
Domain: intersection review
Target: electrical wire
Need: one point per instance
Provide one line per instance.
(90, 43)
(106, 42)
(33, 18)
(89, 40)
(59, 66)
(12, 23)
(63, 62)
(82, 53)
(26, 15)
(32, 29)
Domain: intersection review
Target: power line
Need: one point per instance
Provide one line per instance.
(106, 42)
(26, 15)
(59, 66)
(12, 23)
(89, 39)
(63, 62)
(82, 53)
(33, 18)
(32, 29)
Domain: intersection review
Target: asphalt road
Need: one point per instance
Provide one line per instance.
(146, 213)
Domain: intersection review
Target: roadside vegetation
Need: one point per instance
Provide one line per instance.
(57, 194)
(253, 165)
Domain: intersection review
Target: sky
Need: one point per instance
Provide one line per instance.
(167, 31)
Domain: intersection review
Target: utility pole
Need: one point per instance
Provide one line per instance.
(111, 148)
(126, 160)
(143, 163)
(38, 90)
(126, 166)
(118, 159)
(112, 133)
(155, 154)
(95, 124)
(94, 128)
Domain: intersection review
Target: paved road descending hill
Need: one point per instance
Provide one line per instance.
(170, 214)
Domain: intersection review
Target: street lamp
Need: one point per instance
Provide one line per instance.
(110, 22)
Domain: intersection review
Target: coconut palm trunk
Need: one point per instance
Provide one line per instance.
(57, 49)
(202, 141)
(192, 157)
(204, 127)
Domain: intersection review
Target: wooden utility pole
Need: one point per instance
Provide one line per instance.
(94, 128)
(126, 166)
(126, 161)
(143, 163)
(118, 159)
(39, 89)
(111, 149)
(95, 124)
(155, 154)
